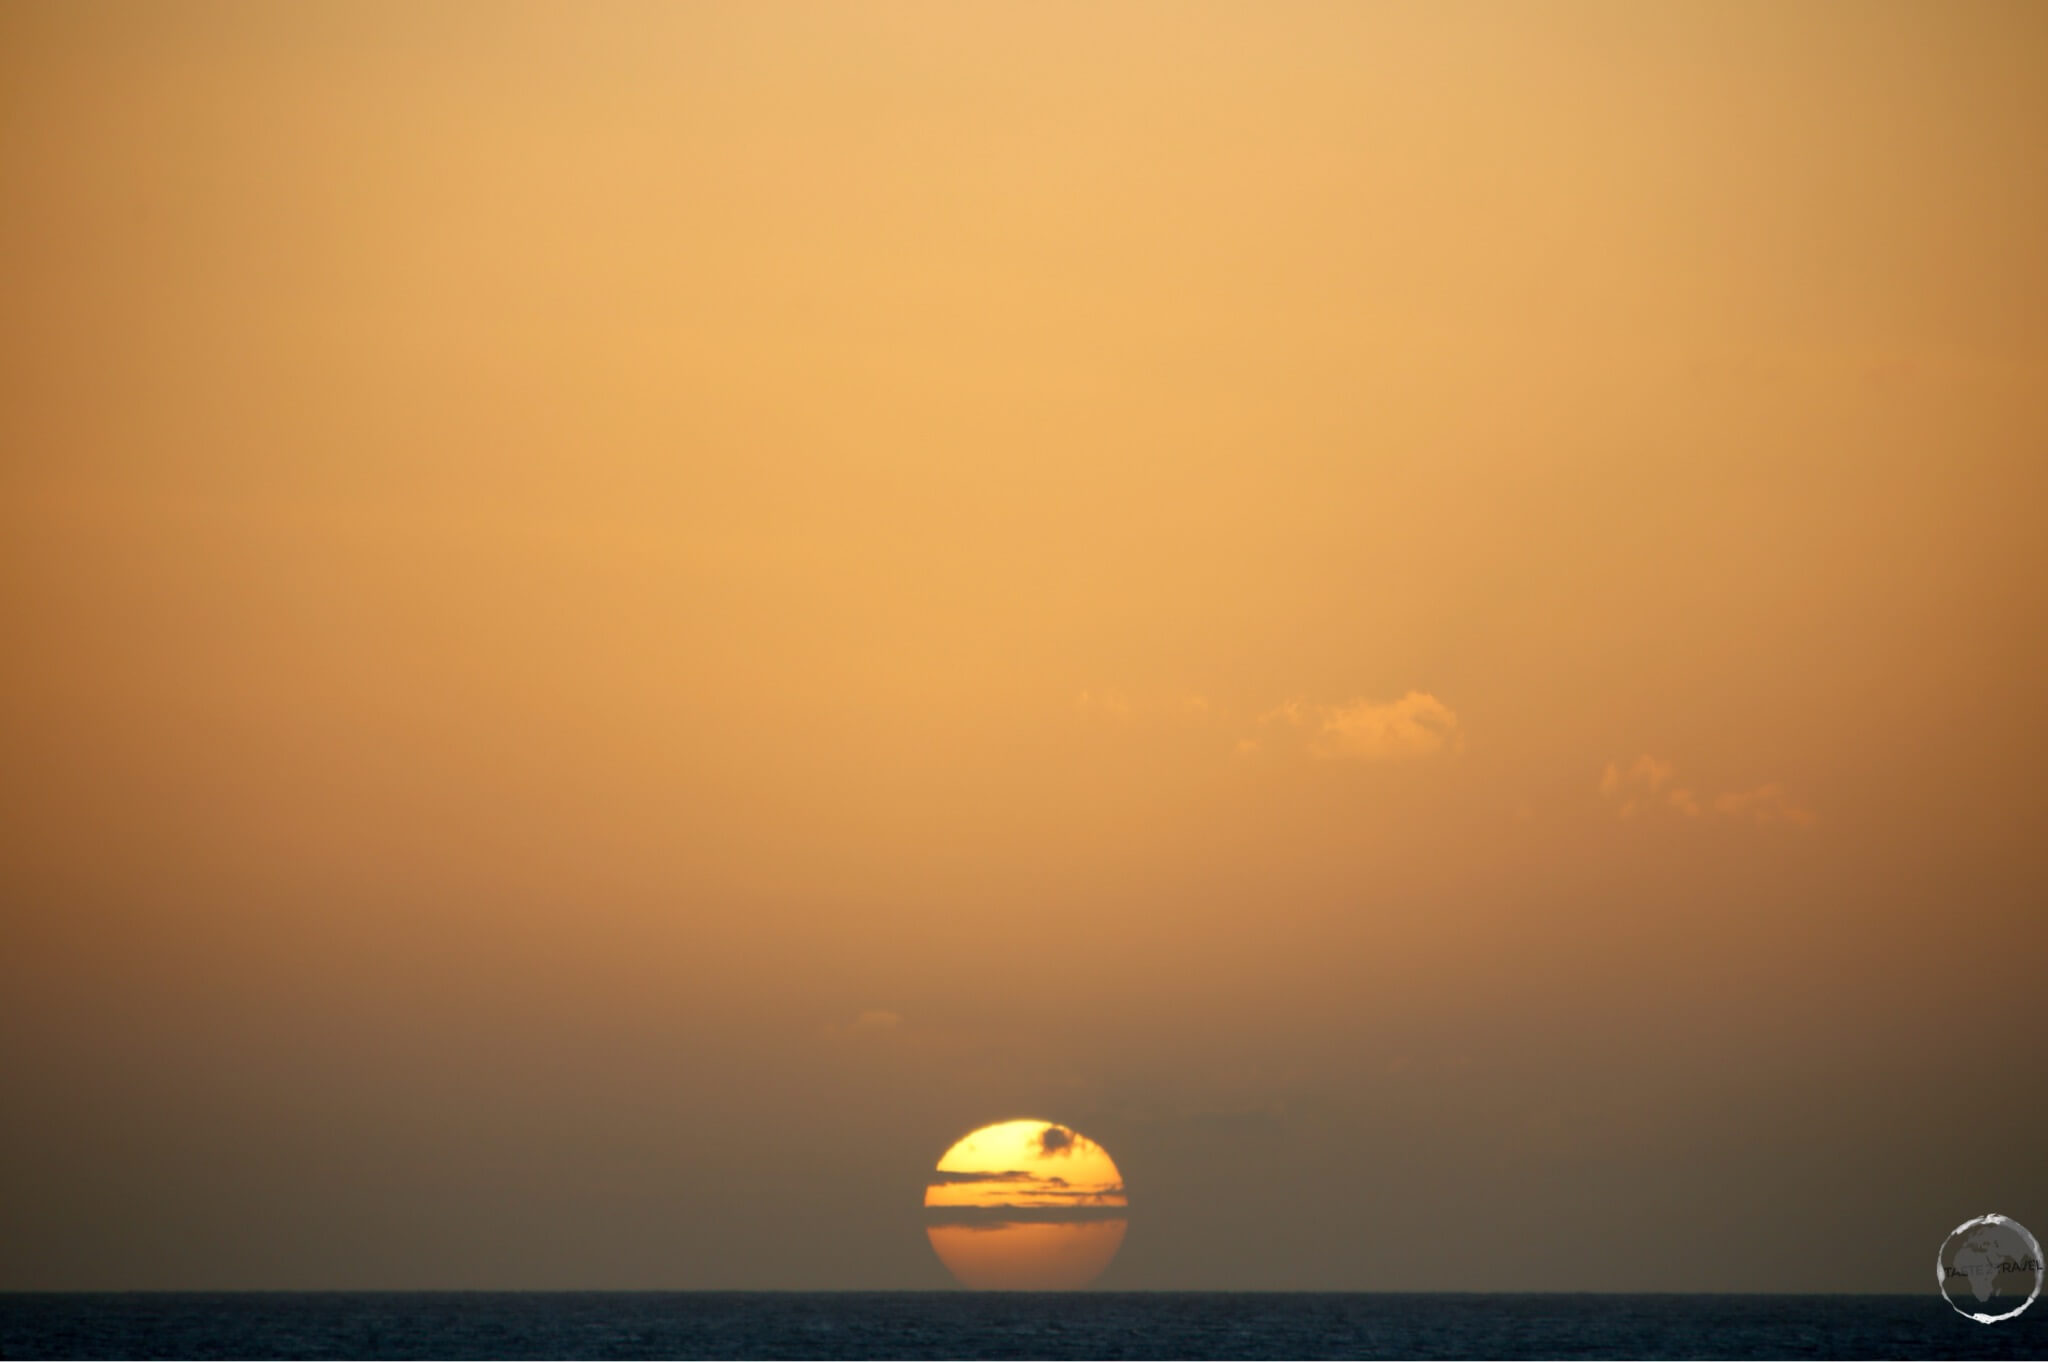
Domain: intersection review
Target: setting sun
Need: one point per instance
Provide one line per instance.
(1025, 1206)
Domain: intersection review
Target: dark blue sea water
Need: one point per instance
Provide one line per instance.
(963, 1324)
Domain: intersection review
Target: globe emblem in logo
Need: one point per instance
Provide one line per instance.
(1989, 1268)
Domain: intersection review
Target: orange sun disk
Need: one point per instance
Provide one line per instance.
(1026, 1206)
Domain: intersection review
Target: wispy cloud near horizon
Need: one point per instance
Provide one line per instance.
(1416, 725)
(1650, 784)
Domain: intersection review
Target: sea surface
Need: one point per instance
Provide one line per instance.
(966, 1324)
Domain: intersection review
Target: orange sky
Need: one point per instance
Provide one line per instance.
(622, 620)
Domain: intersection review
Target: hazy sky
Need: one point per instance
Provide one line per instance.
(621, 621)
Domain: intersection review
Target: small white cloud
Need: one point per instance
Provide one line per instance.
(1640, 787)
(1637, 786)
(1646, 774)
(1769, 803)
(1415, 725)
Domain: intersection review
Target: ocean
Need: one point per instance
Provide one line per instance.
(967, 1324)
